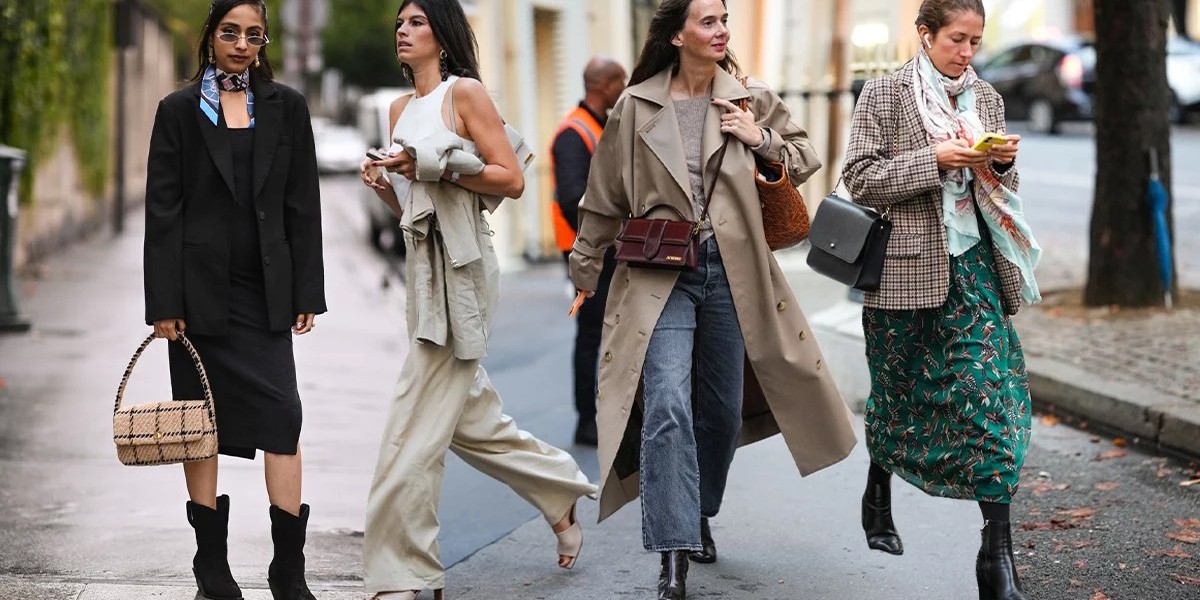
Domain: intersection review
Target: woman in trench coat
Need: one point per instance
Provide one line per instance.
(759, 371)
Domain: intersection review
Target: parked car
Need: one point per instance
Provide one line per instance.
(1183, 75)
(339, 149)
(383, 227)
(1050, 82)
(1045, 83)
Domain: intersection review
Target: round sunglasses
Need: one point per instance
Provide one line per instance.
(253, 40)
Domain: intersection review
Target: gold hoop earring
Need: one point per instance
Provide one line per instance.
(442, 55)
(211, 60)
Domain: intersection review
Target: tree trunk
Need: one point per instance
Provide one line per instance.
(1131, 102)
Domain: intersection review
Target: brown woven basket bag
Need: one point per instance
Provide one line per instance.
(784, 215)
(163, 433)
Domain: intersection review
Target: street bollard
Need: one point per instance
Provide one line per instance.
(12, 161)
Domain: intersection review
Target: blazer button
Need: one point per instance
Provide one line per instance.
(818, 364)
(608, 357)
(266, 260)
(262, 215)
(803, 335)
(782, 306)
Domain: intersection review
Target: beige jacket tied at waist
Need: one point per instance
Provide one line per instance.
(640, 169)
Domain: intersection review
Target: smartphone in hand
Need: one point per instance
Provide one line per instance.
(377, 154)
(987, 140)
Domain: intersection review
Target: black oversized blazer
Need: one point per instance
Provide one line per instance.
(190, 206)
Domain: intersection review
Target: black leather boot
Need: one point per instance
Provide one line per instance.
(995, 569)
(709, 553)
(285, 575)
(672, 580)
(211, 563)
(877, 517)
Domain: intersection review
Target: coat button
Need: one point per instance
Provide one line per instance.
(262, 215)
(818, 364)
(608, 357)
(782, 306)
(803, 335)
(266, 260)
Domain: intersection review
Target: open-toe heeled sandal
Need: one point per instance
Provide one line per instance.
(570, 541)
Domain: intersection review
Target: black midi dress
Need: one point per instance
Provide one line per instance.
(252, 370)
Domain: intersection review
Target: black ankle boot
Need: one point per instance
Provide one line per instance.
(709, 553)
(877, 517)
(995, 569)
(285, 576)
(211, 563)
(672, 580)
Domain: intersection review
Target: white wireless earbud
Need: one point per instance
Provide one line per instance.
(928, 44)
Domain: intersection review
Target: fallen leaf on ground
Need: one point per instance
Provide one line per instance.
(1122, 566)
(1176, 552)
(1120, 442)
(1050, 420)
(1081, 564)
(1075, 583)
(1081, 513)
(1187, 536)
(1099, 595)
(1080, 545)
(1185, 580)
(1107, 486)
(1189, 483)
(1118, 453)
(1188, 523)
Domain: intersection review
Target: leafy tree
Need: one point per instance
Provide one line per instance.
(359, 41)
(1132, 100)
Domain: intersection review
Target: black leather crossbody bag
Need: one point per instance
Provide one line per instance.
(849, 241)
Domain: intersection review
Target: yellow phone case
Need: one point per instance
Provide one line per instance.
(988, 140)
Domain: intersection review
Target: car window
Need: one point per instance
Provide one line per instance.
(1180, 47)
(1008, 58)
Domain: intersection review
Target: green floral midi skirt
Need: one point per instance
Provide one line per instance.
(949, 410)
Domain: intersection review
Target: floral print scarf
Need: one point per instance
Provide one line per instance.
(1001, 208)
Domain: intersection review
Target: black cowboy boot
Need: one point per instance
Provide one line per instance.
(877, 517)
(672, 580)
(995, 569)
(211, 563)
(285, 575)
(709, 553)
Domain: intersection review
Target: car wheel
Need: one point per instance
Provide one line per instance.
(1175, 112)
(375, 235)
(1041, 117)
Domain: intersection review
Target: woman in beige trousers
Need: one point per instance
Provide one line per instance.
(444, 399)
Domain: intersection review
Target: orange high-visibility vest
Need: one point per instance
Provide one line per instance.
(589, 129)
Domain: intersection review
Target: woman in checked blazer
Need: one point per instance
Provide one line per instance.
(949, 410)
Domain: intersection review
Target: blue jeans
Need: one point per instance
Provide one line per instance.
(685, 457)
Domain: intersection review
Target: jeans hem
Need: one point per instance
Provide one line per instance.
(673, 547)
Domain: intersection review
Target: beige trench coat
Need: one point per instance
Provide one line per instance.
(639, 168)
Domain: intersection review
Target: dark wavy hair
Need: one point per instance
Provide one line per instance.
(936, 14)
(658, 53)
(453, 33)
(216, 13)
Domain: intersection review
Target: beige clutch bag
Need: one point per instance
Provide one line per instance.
(162, 433)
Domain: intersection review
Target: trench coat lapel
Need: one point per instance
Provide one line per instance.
(660, 132)
(727, 87)
(217, 144)
(268, 125)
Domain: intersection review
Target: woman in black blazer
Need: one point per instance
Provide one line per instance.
(233, 256)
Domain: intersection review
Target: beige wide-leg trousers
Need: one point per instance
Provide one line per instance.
(443, 402)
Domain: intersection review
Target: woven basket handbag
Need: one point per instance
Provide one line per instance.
(784, 215)
(163, 433)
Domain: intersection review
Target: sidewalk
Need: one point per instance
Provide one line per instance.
(1136, 373)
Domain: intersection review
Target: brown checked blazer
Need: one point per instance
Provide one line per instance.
(890, 166)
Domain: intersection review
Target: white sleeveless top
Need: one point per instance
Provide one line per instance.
(422, 116)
